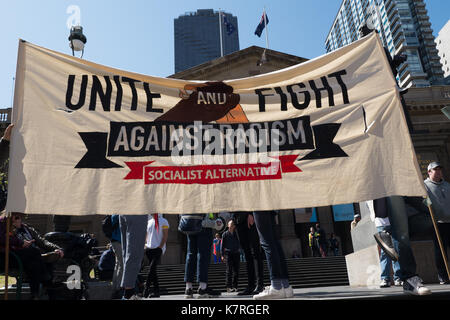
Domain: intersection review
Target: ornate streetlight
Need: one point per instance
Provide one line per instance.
(77, 40)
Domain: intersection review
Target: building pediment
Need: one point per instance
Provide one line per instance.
(240, 64)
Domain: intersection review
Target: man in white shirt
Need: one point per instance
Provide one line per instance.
(155, 247)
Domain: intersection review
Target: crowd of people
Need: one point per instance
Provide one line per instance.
(318, 243)
(134, 236)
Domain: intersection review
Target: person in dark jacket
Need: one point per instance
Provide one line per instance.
(4, 155)
(34, 251)
(106, 264)
(4, 144)
(231, 255)
(323, 242)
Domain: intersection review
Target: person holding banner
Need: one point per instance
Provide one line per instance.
(198, 231)
(134, 232)
(439, 193)
(4, 144)
(406, 216)
(249, 241)
(4, 154)
(279, 278)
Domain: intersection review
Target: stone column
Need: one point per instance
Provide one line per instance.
(174, 250)
(288, 239)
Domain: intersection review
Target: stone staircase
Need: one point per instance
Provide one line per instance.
(303, 273)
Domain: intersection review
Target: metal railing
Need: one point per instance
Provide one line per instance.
(5, 115)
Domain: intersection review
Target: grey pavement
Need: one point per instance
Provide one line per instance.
(335, 293)
(342, 293)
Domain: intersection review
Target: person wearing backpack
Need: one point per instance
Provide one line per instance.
(199, 239)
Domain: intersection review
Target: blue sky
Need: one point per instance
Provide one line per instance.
(137, 35)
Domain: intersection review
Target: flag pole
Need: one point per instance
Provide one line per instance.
(438, 237)
(265, 25)
(220, 28)
(8, 222)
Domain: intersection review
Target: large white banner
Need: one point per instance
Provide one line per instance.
(89, 139)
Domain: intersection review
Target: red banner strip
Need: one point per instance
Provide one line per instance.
(287, 163)
(210, 174)
(137, 169)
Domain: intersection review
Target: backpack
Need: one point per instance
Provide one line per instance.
(107, 226)
(190, 223)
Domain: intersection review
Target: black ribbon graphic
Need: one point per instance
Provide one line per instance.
(97, 142)
(324, 135)
(95, 157)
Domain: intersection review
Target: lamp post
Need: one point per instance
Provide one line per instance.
(77, 40)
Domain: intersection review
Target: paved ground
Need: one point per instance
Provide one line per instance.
(343, 293)
(338, 293)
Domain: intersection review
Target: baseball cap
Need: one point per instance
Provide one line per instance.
(433, 165)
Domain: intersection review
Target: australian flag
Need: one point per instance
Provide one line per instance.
(228, 25)
(261, 25)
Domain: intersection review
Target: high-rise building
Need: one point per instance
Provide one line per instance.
(403, 26)
(443, 46)
(198, 37)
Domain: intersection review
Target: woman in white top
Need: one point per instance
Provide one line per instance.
(155, 247)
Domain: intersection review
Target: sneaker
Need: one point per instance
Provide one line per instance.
(189, 293)
(385, 283)
(289, 292)
(270, 293)
(247, 291)
(384, 240)
(443, 281)
(415, 286)
(258, 289)
(133, 297)
(207, 293)
(398, 283)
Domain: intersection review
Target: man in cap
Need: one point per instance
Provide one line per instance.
(439, 193)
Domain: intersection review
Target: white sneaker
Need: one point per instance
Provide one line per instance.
(398, 283)
(270, 293)
(385, 283)
(415, 286)
(133, 297)
(289, 292)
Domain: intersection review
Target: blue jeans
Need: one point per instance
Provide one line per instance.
(198, 255)
(386, 262)
(401, 227)
(265, 224)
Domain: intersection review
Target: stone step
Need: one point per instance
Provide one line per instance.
(303, 273)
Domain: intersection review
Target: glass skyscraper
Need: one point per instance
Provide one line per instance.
(403, 26)
(197, 37)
